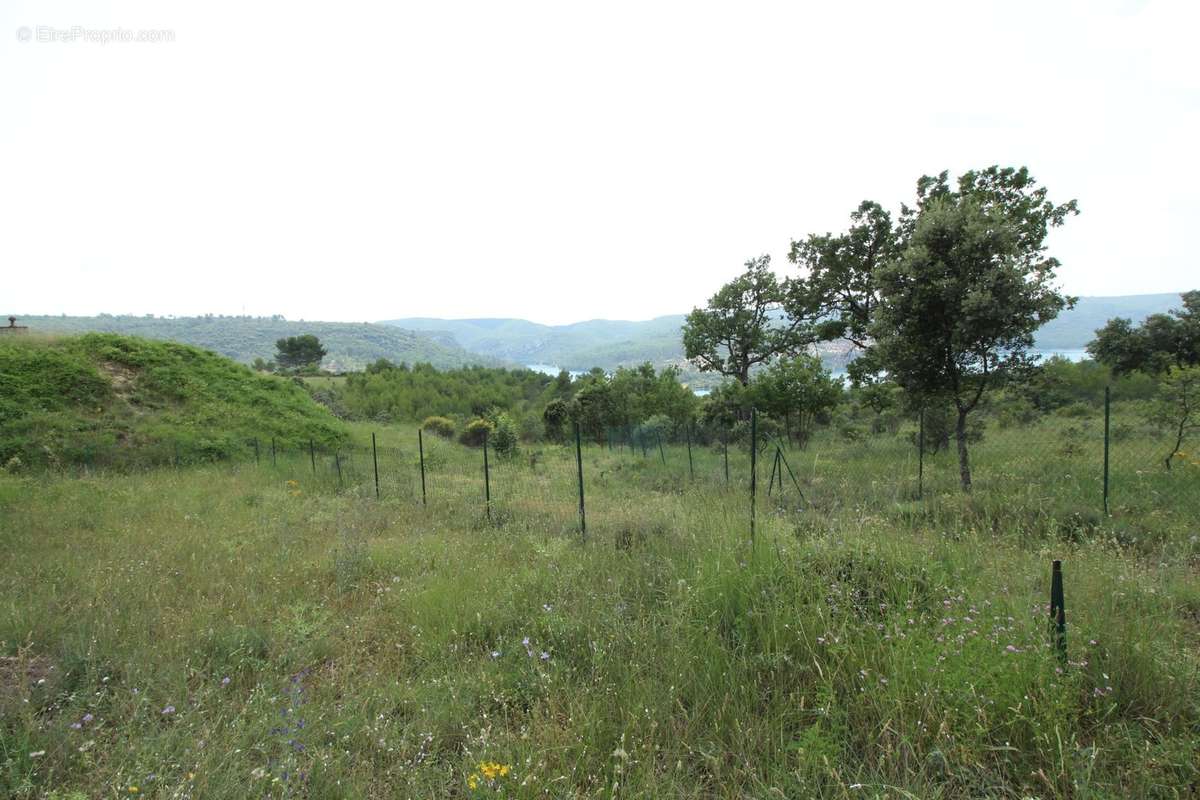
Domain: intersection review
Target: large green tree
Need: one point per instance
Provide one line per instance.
(739, 328)
(296, 352)
(959, 306)
(836, 290)
(1160, 342)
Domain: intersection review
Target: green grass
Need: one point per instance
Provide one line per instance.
(870, 645)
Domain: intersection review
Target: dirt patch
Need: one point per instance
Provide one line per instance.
(122, 378)
(22, 675)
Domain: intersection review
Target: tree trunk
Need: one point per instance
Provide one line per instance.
(964, 461)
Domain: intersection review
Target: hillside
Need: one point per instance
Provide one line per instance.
(613, 343)
(350, 345)
(108, 400)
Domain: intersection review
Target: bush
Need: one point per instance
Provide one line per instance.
(476, 431)
(506, 435)
(439, 426)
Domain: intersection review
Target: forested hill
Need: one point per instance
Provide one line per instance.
(350, 345)
(613, 343)
(580, 345)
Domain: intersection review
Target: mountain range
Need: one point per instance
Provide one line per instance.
(448, 343)
(613, 343)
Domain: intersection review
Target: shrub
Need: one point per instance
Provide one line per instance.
(475, 432)
(439, 426)
(506, 435)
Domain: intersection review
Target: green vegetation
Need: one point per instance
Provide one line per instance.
(107, 400)
(351, 345)
(1160, 342)
(255, 632)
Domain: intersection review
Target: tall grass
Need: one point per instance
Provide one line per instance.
(241, 631)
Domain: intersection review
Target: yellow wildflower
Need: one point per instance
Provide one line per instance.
(473, 782)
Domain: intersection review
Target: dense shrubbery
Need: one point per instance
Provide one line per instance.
(414, 393)
(440, 426)
(475, 432)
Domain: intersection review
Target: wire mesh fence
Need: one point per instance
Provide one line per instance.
(1111, 460)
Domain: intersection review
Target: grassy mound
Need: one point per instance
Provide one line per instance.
(109, 400)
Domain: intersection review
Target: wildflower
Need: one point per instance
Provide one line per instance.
(134, 790)
(168, 711)
(473, 782)
(547, 607)
(495, 654)
(87, 718)
(37, 754)
(225, 681)
(545, 656)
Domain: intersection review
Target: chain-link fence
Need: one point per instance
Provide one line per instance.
(1106, 459)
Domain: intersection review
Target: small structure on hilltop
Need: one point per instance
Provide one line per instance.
(13, 327)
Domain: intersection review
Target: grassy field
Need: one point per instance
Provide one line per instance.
(270, 631)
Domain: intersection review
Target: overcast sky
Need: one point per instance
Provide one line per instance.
(559, 161)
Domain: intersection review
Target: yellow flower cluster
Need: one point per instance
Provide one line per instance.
(489, 771)
(1195, 462)
(294, 488)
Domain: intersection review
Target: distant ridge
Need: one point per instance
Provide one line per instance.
(350, 345)
(613, 343)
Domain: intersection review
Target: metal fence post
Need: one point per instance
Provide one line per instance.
(725, 451)
(579, 471)
(921, 456)
(1107, 409)
(487, 481)
(1058, 616)
(691, 466)
(337, 460)
(753, 466)
(661, 453)
(312, 456)
(421, 451)
(256, 451)
(273, 452)
(375, 461)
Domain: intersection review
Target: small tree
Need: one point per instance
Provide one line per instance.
(298, 352)
(555, 417)
(960, 305)
(736, 330)
(1177, 407)
(798, 389)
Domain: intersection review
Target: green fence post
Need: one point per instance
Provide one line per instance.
(691, 467)
(725, 452)
(375, 461)
(421, 451)
(1058, 616)
(753, 466)
(256, 451)
(921, 456)
(1107, 403)
(579, 471)
(273, 464)
(337, 460)
(312, 456)
(487, 481)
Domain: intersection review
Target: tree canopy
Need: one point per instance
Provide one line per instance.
(959, 306)
(1160, 342)
(297, 352)
(737, 329)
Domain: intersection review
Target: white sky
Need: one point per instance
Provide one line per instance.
(561, 161)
